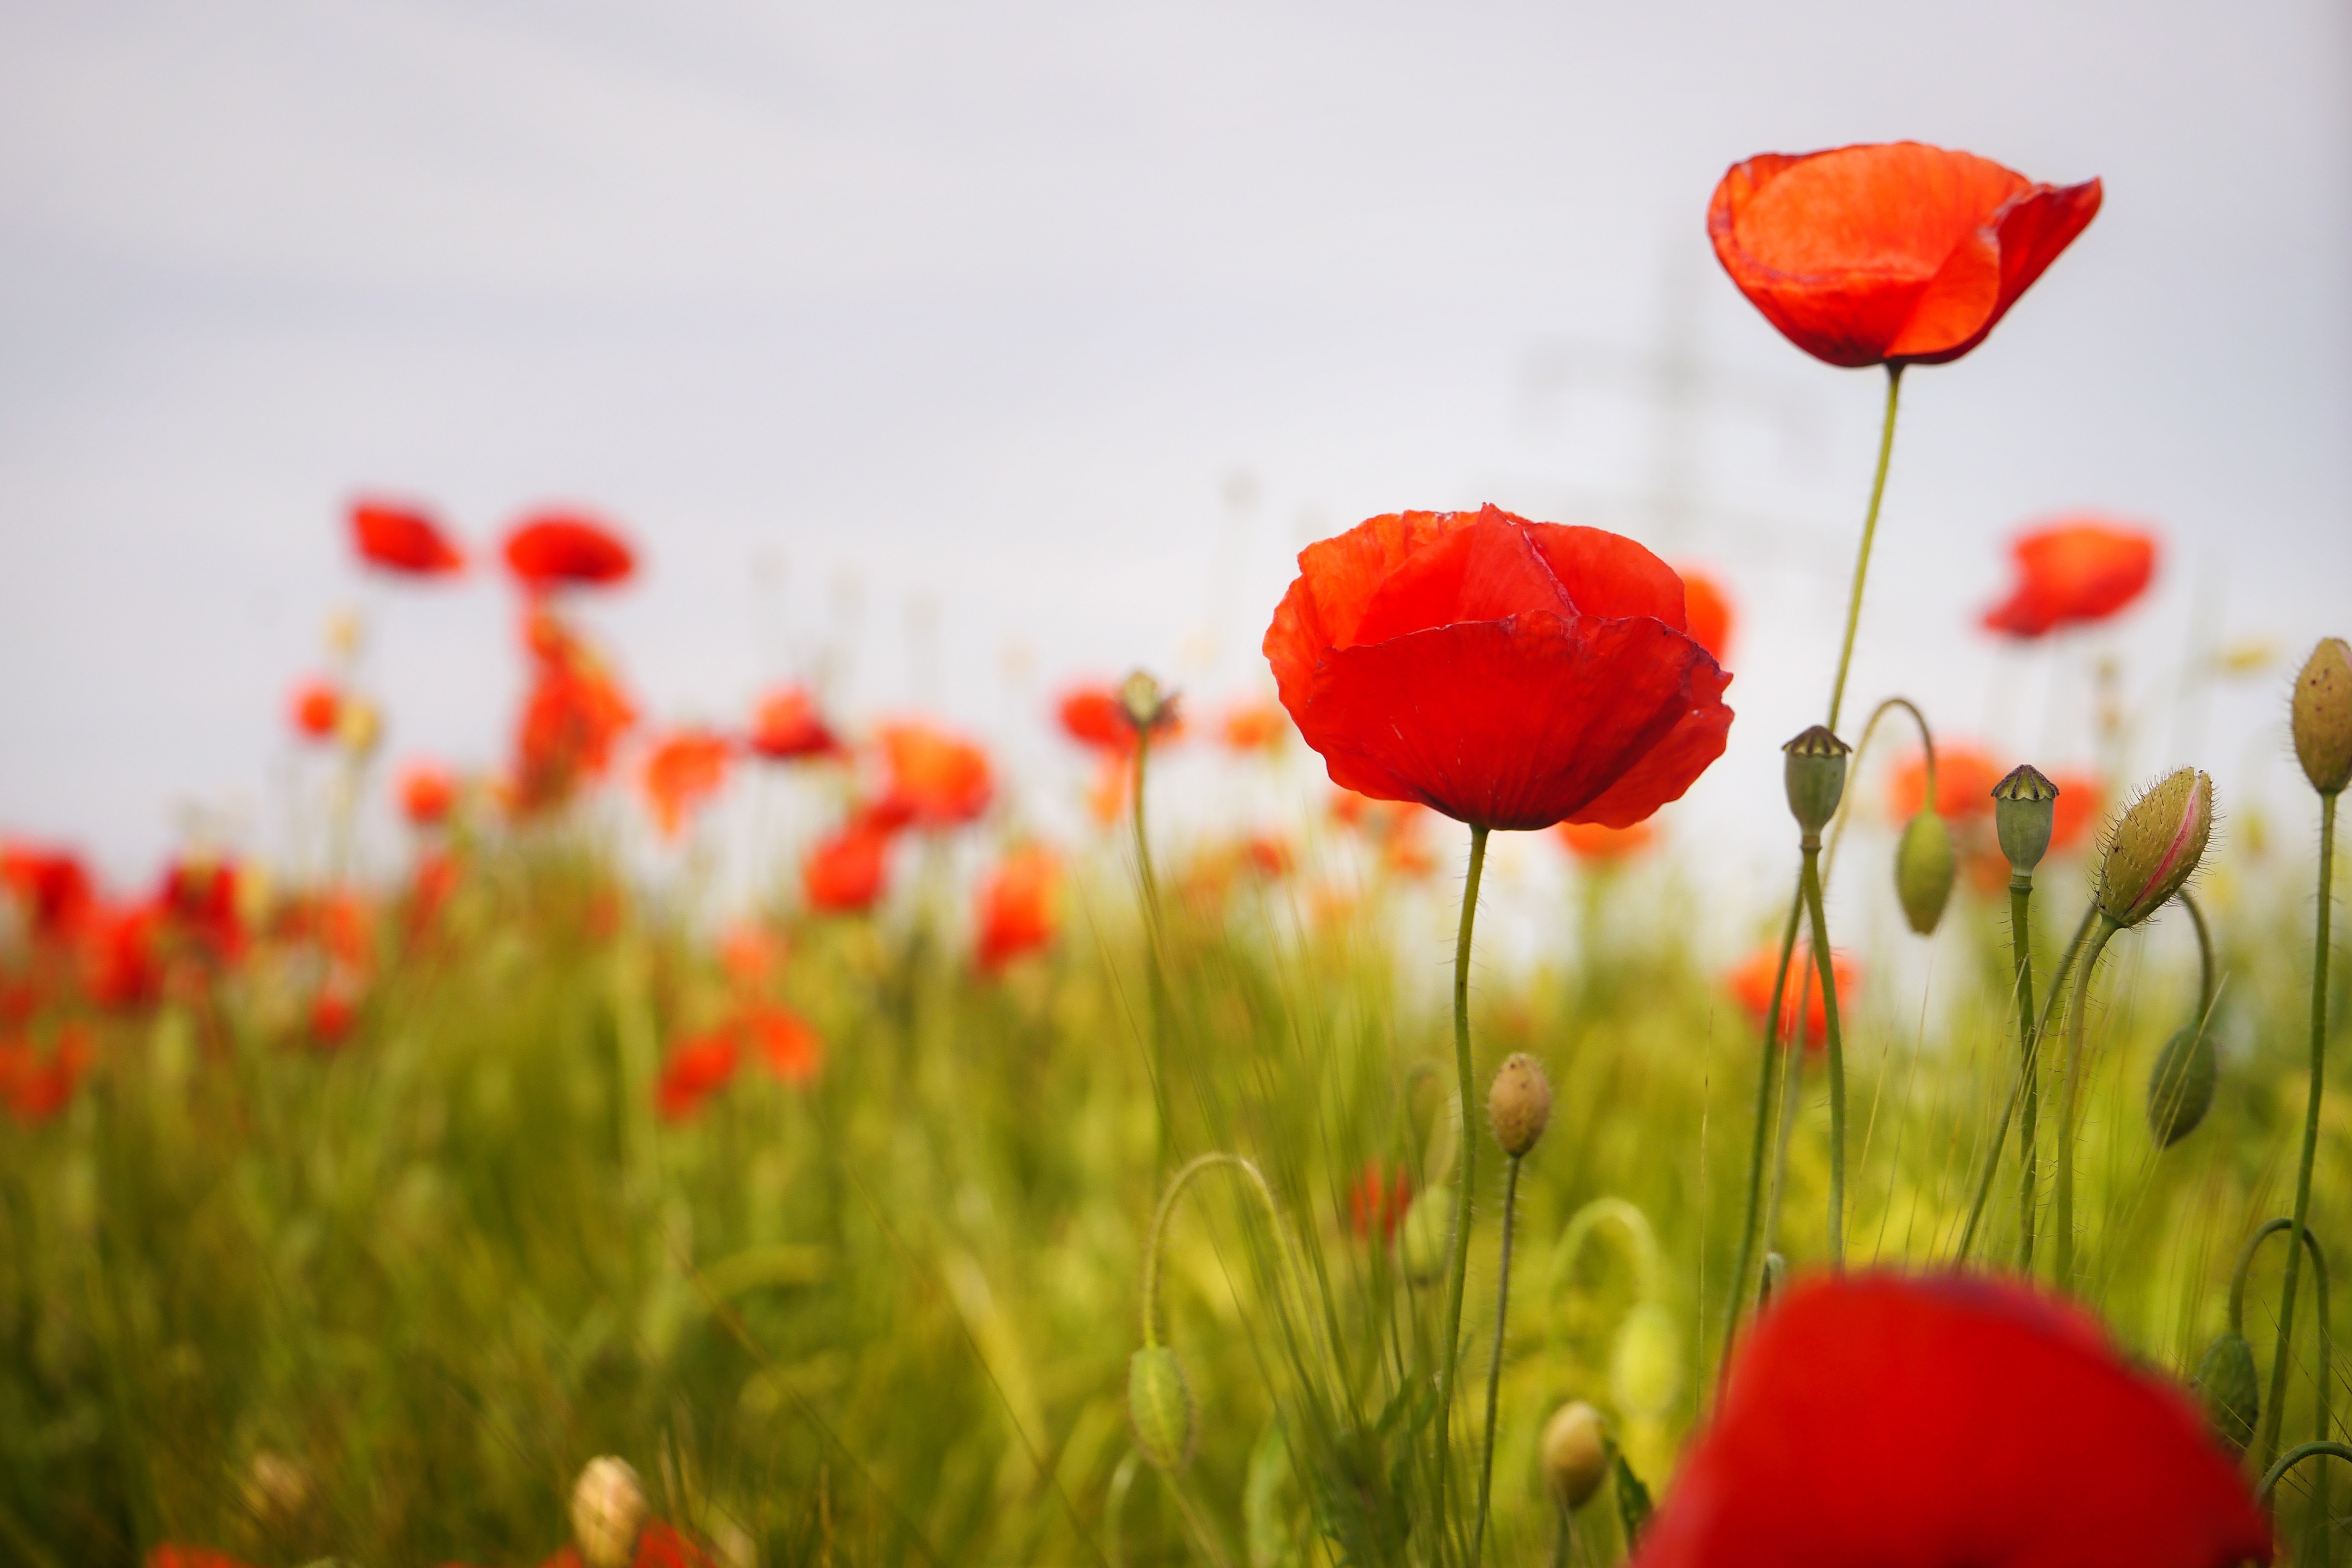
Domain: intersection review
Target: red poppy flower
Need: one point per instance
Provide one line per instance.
(1017, 910)
(786, 727)
(1596, 844)
(1964, 780)
(1877, 1422)
(1752, 986)
(685, 769)
(1269, 853)
(697, 1069)
(940, 780)
(1708, 610)
(1254, 726)
(659, 1545)
(1510, 674)
(314, 708)
(426, 795)
(2070, 572)
(2076, 811)
(750, 954)
(570, 717)
(334, 1011)
(1095, 718)
(1896, 254)
(171, 1556)
(1377, 1200)
(34, 1086)
(844, 874)
(198, 904)
(559, 549)
(402, 539)
(52, 884)
(788, 1046)
(122, 960)
(429, 890)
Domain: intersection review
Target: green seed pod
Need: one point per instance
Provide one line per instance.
(1160, 1408)
(1574, 1452)
(2156, 847)
(1923, 869)
(1422, 1237)
(1645, 1364)
(1519, 1103)
(2323, 716)
(608, 1509)
(2024, 809)
(2226, 1387)
(1815, 776)
(2180, 1086)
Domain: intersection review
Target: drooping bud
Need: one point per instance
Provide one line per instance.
(1160, 1408)
(1815, 776)
(2180, 1086)
(1645, 1364)
(2323, 716)
(1422, 1238)
(2024, 807)
(2156, 847)
(1519, 1103)
(2226, 1387)
(1574, 1452)
(1923, 869)
(608, 1509)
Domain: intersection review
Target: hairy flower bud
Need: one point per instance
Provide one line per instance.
(1519, 1103)
(1923, 869)
(608, 1509)
(1422, 1238)
(1160, 1408)
(1815, 776)
(2323, 716)
(2156, 847)
(1574, 1452)
(2180, 1086)
(1645, 1364)
(2226, 1387)
(2024, 809)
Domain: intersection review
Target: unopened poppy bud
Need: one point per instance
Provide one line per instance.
(1160, 1408)
(1519, 1103)
(1574, 1452)
(2156, 847)
(1815, 777)
(2024, 807)
(1145, 705)
(1422, 1238)
(1645, 1364)
(608, 1509)
(2180, 1086)
(2323, 716)
(2226, 1387)
(1923, 869)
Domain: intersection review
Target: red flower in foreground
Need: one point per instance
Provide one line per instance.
(53, 886)
(1893, 254)
(685, 769)
(559, 549)
(844, 874)
(2070, 572)
(938, 779)
(1708, 609)
(1964, 780)
(1510, 674)
(315, 707)
(1017, 910)
(1879, 1422)
(1377, 1200)
(697, 1069)
(787, 727)
(402, 539)
(426, 795)
(1597, 846)
(1751, 987)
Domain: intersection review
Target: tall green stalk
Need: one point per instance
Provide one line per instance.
(1458, 1272)
(1764, 1105)
(1869, 533)
(1833, 1042)
(2068, 1086)
(1495, 1363)
(2021, 944)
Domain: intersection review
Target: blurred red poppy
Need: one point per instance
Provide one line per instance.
(1508, 673)
(1873, 1421)
(199, 905)
(786, 727)
(1964, 779)
(1377, 1200)
(1269, 853)
(2073, 570)
(34, 1086)
(659, 1545)
(429, 890)
(334, 1011)
(559, 549)
(121, 959)
(402, 539)
(750, 953)
(573, 714)
(1899, 253)
(1708, 610)
(1255, 725)
(1596, 844)
(1752, 986)
(1018, 907)
(685, 769)
(52, 884)
(939, 778)
(1096, 718)
(698, 1068)
(788, 1046)
(314, 708)
(844, 874)
(428, 794)
(171, 1556)
(2076, 811)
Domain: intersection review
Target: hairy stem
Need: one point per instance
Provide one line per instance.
(1458, 1273)
(2068, 1086)
(1835, 1049)
(1495, 1363)
(1869, 532)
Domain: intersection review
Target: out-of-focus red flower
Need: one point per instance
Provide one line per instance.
(33, 1086)
(843, 873)
(315, 708)
(1892, 254)
(1965, 775)
(560, 549)
(1094, 716)
(698, 1068)
(1396, 828)
(1873, 1421)
(333, 1010)
(685, 769)
(428, 793)
(1113, 787)
(1377, 1200)
(198, 901)
(402, 539)
(2073, 570)
(2076, 811)
(435, 879)
(1269, 853)
(1752, 986)
(941, 779)
(172, 1555)
(1508, 673)
(1018, 907)
(53, 886)
(786, 727)
(122, 964)
(787, 1045)
(1708, 610)
(574, 713)
(750, 953)
(659, 1545)
(1255, 725)
(1598, 846)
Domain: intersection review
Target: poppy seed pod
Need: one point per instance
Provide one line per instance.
(2180, 1086)
(2323, 716)
(2156, 847)
(608, 1509)
(1923, 869)
(1574, 1452)
(2227, 1388)
(2024, 809)
(1160, 1408)
(1428, 1226)
(1815, 776)
(1519, 1103)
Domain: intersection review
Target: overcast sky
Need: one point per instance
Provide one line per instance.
(1059, 328)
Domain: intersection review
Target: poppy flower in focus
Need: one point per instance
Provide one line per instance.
(402, 539)
(1377, 1200)
(1752, 986)
(52, 884)
(559, 549)
(426, 795)
(788, 1046)
(1964, 779)
(939, 778)
(2072, 572)
(1895, 254)
(316, 708)
(1254, 726)
(685, 769)
(698, 1068)
(1707, 608)
(2076, 811)
(1018, 907)
(1596, 844)
(33, 1086)
(844, 874)
(786, 727)
(1508, 673)
(1873, 1421)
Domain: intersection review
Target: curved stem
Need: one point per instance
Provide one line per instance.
(1869, 532)
(1832, 1039)
(1584, 1222)
(1167, 1213)
(2294, 1457)
(2069, 1083)
(2020, 946)
(1747, 1255)
(2204, 956)
(2323, 1421)
(1853, 770)
(1495, 1363)
(1466, 1157)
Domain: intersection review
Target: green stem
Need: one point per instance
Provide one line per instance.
(1853, 770)
(2294, 1457)
(2069, 1084)
(1193, 1167)
(1155, 983)
(1764, 1075)
(1834, 1043)
(1457, 1276)
(1495, 1363)
(1869, 532)
(1793, 1081)
(2020, 945)
(2323, 1423)
(2273, 1415)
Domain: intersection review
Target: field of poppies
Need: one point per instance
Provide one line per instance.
(976, 1197)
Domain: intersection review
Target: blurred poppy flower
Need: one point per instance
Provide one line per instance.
(198, 901)
(560, 549)
(786, 727)
(843, 874)
(1873, 1421)
(1377, 1200)
(1269, 853)
(685, 769)
(1255, 725)
(315, 708)
(122, 957)
(172, 1555)
(939, 778)
(572, 715)
(659, 1545)
(1965, 775)
(334, 1011)
(1596, 844)
(426, 795)
(1707, 608)
(1095, 717)
(402, 539)
(36, 1085)
(1752, 986)
(1899, 253)
(2076, 811)
(698, 1068)
(788, 1046)
(1507, 673)
(52, 884)
(429, 890)
(2070, 572)
(750, 953)
(1018, 907)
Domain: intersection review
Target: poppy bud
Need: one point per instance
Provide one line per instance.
(1422, 1238)
(1645, 1364)
(2156, 847)
(1923, 869)
(1519, 1103)
(2024, 809)
(1574, 1452)
(2180, 1088)
(2323, 716)
(608, 1509)
(1815, 776)
(1141, 698)
(1160, 1408)
(2226, 1387)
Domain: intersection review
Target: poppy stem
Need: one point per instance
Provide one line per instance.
(1764, 1104)
(1833, 1040)
(1495, 1362)
(1869, 532)
(1458, 1273)
(1793, 1079)
(2068, 1085)
(2294, 1456)
(2323, 1423)
(1155, 983)
(2272, 1412)
(2020, 947)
